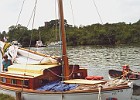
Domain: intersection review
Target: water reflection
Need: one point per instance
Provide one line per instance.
(136, 93)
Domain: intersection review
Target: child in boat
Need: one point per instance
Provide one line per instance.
(126, 71)
(5, 63)
(130, 74)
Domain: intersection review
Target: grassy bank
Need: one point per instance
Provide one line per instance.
(6, 97)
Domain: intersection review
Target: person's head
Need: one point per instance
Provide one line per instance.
(125, 67)
(5, 57)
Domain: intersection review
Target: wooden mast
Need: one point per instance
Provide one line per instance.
(63, 36)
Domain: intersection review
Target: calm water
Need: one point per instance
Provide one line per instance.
(98, 60)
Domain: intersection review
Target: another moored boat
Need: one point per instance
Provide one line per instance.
(117, 74)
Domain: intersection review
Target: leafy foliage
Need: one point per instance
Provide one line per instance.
(95, 34)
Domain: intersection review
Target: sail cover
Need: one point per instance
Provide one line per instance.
(57, 86)
(25, 56)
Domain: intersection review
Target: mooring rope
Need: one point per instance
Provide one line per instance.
(99, 95)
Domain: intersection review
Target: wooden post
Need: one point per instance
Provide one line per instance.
(18, 95)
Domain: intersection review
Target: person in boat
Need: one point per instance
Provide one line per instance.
(126, 71)
(5, 63)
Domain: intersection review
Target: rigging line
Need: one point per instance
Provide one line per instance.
(32, 29)
(56, 29)
(20, 12)
(19, 17)
(30, 17)
(72, 13)
(97, 11)
(20, 37)
(59, 34)
(34, 13)
(100, 17)
(55, 19)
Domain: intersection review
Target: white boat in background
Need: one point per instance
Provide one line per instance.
(39, 44)
(56, 80)
(16, 43)
(55, 44)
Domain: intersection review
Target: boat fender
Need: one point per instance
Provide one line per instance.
(94, 77)
(130, 84)
(111, 98)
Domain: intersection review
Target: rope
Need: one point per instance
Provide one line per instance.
(72, 12)
(20, 12)
(62, 75)
(99, 95)
(32, 15)
(97, 11)
(19, 18)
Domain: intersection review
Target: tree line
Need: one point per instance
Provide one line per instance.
(95, 34)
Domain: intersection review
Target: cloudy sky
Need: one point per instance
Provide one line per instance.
(77, 12)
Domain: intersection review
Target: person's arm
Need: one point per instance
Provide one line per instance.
(131, 71)
(2, 67)
(134, 72)
(11, 62)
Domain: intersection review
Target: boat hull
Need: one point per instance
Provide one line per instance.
(121, 94)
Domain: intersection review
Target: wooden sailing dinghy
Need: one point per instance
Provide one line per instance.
(59, 81)
(134, 77)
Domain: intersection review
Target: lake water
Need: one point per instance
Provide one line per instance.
(99, 59)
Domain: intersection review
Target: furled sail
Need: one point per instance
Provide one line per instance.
(25, 56)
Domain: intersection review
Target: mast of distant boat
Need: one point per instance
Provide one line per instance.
(63, 36)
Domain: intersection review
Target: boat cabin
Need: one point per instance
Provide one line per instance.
(35, 76)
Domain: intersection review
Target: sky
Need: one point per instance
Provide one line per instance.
(76, 12)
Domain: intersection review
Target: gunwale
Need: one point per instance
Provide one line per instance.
(125, 86)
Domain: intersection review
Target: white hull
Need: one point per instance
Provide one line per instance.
(123, 94)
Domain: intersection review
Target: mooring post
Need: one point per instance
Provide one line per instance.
(18, 95)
